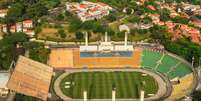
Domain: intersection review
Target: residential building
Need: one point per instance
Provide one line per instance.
(19, 27)
(88, 10)
(197, 23)
(3, 13)
(13, 28)
(27, 24)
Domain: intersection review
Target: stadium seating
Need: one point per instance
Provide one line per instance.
(164, 64)
(149, 59)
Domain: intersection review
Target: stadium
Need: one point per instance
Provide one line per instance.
(166, 76)
(98, 70)
(106, 71)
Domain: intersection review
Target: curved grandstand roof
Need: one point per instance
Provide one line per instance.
(31, 78)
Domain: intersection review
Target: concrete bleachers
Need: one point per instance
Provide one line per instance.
(173, 68)
(184, 87)
(165, 64)
(180, 71)
(149, 59)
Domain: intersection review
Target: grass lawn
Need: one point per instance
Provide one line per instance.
(99, 85)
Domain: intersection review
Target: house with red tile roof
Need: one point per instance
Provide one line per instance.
(155, 18)
(13, 28)
(3, 13)
(151, 7)
(25, 26)
(28, 23)
(197, 23)
(183, 31)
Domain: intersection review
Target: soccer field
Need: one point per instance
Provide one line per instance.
(99, 85)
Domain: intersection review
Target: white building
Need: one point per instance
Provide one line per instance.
(88, 10)
(19, 27)
(4, 28)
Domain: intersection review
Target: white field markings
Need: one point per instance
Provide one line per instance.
(159, 62)
(173, 68)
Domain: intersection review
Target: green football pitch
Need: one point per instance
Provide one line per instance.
(99, 85)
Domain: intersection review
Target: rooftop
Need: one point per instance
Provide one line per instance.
(31, 78)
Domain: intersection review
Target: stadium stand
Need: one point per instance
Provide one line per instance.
(165, 64)
(65, 58)
(149, 59)
(173, 69)
(31, 78)
(184, 87)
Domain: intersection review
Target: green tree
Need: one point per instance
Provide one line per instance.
(196, 96)
(7, 48)
(36, 10)
(60, 17)
(37, 51)
(20, 97)
(164, 14)
(179, 19)
(120, 34)
(62, 33)
(111, 17)
(15, 13)
(79, 35)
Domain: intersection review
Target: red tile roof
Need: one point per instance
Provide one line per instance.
(151, 7)
(197, 23)
(27, 21)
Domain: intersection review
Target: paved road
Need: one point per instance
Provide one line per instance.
(163, 85)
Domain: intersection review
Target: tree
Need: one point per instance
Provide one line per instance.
(20, 97)
(134, 19)
(60, 17)
(15, 13)
(29, 2)
(179, 19)
(4, 4)
(120, 34)
(111, 17)
(7, 48)
(164, 14)
(62, 33)
(196, 96)
(36, 10)
(79, 35)
(37, 51)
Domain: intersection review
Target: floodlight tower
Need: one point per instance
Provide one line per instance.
(85, 95)
(142, 95)
(114, 94)
(106, 38)
(126, 38)
(86, 39)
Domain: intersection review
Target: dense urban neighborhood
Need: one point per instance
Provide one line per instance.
(100, 50)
